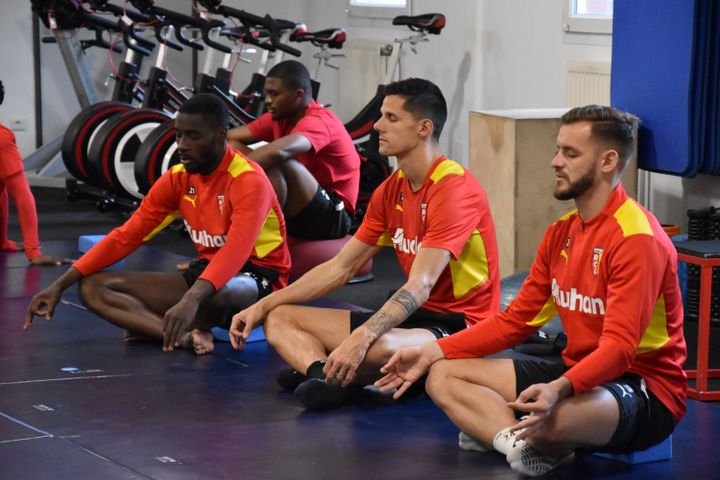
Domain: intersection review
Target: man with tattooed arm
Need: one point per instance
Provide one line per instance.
(435, 215)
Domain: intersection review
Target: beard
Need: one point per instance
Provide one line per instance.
(577, 188)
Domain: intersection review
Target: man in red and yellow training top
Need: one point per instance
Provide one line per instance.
(610, 271)
(234, 220)
(435, 215)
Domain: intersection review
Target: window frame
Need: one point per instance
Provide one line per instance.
(584, 24)
(367, 11)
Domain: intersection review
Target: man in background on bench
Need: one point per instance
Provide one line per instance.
(234, 220)
(610, 271)
(310, 158)
(435, 215)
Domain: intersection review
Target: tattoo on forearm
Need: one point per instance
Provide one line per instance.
(406, 300)
(381, 322)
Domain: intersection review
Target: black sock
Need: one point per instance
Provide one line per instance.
(315, 370)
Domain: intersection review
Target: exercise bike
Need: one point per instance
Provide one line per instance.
(159, 150)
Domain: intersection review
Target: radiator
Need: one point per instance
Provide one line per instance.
(362, 71)
(586, 83)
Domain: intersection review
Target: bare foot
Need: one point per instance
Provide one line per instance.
(182, 267)
(200, 341)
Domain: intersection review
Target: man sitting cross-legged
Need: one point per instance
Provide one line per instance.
(234, 220)
(610, 271)
(435, 215)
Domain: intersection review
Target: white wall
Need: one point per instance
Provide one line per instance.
(17, 69)
(523, 54)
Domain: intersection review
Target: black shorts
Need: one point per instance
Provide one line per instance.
(644, 420)
(263, 277)
(439, 324)
(324, 218)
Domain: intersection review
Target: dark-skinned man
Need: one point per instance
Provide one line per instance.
(310, 158)
(234, 220)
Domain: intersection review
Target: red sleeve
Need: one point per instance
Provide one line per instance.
(251, 200)
(374, 224)
(262, 128)
(314, 129)
(155, 212)
(634, 280)
(452, 215)
(532, 308)
(10, 159)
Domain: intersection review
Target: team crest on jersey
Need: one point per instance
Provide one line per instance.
(221, 202)
(597, 256)
(423, 212)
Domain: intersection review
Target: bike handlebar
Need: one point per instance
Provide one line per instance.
(140, 45)
(274, 26)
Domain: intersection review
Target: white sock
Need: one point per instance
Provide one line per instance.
(505, 440)
(466, 442)
(527, 461)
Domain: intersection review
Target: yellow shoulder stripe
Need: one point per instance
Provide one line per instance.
(385, 240)
(546, 313)
(567, 215)
(445, 168)
(632, 219)
(177, 168)
(270, 236)
(239, 165)
(471, 269)
(656, 334)
(166, 221)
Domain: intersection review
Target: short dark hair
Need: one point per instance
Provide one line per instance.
(423, 99)
(294, 76)
(211, 108)
(610, 126)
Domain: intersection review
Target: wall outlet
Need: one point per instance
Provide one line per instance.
(18, 124)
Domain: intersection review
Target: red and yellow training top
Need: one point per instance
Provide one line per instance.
(232, 215)
(449, 211)
(613, 281)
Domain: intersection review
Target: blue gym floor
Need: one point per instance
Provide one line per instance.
(134, 412)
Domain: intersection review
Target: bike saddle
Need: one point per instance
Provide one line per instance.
(332, 37)
(429, 22)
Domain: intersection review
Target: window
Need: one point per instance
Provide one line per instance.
(378, 8)
(588, 16)
(379, 3)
